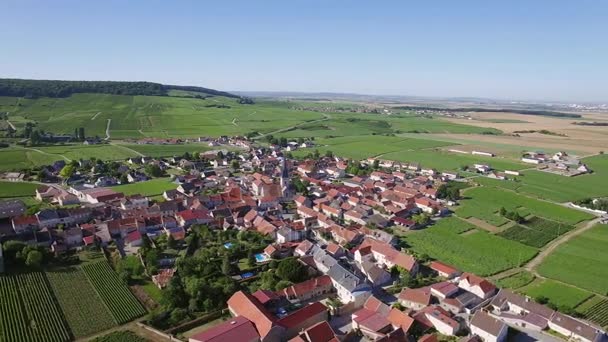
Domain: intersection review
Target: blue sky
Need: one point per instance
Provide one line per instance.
(512, 49)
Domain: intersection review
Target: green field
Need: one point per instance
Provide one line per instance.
(120, 336)
(17, 189)
(458, 243)
(20, 158)
(169, 150)
(444, 161)
(536, 232)
(485, 202)
(582, 261)
(595, 309)
(516, 280)
(151, 187)
(557, 293)
(28, 310)
(84, 310)
(559, 188)
(123, 306)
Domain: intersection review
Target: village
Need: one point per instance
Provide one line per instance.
(340, 229)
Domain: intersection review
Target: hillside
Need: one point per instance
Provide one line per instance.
(61, 89)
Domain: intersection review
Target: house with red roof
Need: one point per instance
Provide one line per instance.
(444, 270)
(416, 299)
(188, 217)
(320, 332)
(476, 285)
(308, 289)
(387, 256)
(236, 329)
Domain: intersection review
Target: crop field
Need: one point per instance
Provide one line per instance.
(169, 150)
(20, 158)
(28, 310)
(559, 188)
(536, 232)
(582, 261)
(595, 310)
(76, 152)
(557, 293)
(120, 336)
(444, 161)
(361, 147)
(17, 189)
(485, 202)
(474, 251)
(115, 294)
(84, 310)
(151, 187)
(516, 280)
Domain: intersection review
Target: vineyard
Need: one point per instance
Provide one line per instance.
(28, 310)
(120, 336)
(598, 313)
(536, 232)
(123, 306)
(84, 311)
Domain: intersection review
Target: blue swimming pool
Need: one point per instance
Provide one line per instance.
(247, 275)
(228, 245)
(261, 257)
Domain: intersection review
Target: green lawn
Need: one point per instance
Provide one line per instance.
(559, 188)
(558, 294)
(17, 189)
(516, 280)
(582, 261)
(485, 202)
(458, 243)
(148, 188)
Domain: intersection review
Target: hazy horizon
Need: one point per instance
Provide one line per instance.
(542, 51)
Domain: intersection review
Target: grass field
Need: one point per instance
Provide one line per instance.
(84, 310)
(123, 306)
(151, 187)
(559, 188)
(557, 293)
(582, 261)
(485, 202)
(474, 251)
(444, 161)
(17, 189)
(28, 311)
(516, 280)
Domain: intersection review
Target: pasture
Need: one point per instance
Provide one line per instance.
(459, 243)
(151, 187)
(84, 310)
(558, 294)
(582, 261)
(122, 304)
(28, 310)
(485, 202)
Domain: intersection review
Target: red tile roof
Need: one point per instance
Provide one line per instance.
(474, 280)
(302, 315)
(235, 329)
(419, 296)
(400, 319)
(442, 268)
(264, 296)
(244, 304)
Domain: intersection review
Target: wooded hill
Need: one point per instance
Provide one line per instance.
(55, 88)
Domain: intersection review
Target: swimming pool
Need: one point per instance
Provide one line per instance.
(261, 257)
(228, 245)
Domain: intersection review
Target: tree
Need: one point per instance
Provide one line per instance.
(226, 265)
(292, 270)
(376, 164)
(329, 154)
(235, 164)
(282, 284)
(171, 243)
(503, 211)
(250, 258)
(34, 259)
(124, 179)
(153, 171)
(67, 171)
(81, 133)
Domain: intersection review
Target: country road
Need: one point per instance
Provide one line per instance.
(108, 129)
(326, 117)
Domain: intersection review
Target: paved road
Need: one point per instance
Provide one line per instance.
(108, 129)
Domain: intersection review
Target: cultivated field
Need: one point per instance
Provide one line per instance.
(84, 310)
(516, 280)
(582, 261)
(17, 189)
(169, 150)
(595, 310)
(123, 306)
(536, 232)
(120, 336)
(28, 310)
(459, 243)
(485, 202)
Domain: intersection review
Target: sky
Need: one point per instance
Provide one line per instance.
(526, 50)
